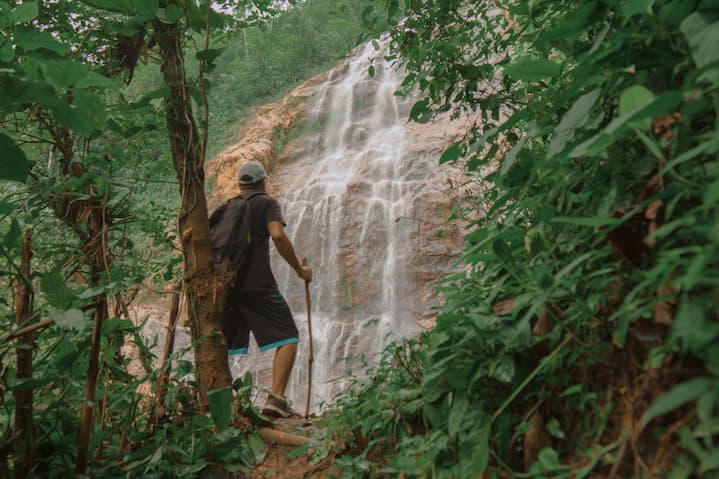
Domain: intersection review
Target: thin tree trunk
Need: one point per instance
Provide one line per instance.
(96, 251)
(25, 460)
(159, 406)
(209, 343)
(87, 412)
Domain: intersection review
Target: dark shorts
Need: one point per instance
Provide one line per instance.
(266, 314)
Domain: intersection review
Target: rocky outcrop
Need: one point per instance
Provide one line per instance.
(267, 132)
(366, 200)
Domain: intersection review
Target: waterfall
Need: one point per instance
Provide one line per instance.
(354, 194)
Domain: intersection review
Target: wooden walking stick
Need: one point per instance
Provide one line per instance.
(310, 356)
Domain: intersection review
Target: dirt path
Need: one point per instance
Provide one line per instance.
(288, 462)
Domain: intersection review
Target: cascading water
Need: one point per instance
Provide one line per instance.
(354, 196)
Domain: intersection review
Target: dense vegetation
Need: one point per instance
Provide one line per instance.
(582, 341)
(87, 172)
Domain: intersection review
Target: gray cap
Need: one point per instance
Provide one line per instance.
(250, 173)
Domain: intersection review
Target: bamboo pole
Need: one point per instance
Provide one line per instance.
(87, 413)
(23, 397)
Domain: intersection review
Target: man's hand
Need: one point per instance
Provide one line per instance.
(305, 273)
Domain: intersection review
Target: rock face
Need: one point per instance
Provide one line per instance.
(365, 199)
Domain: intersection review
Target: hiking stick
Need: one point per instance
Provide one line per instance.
(310, 357)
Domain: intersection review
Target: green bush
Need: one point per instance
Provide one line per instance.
(582, 338)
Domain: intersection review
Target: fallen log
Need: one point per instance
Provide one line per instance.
(283, 438)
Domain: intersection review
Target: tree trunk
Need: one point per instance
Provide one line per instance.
(24, 462)
(193, 225)
(97, 253)
(162, 380)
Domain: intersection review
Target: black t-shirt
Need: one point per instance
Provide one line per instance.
(259, 277)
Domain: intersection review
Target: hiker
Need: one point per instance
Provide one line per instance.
(254, 303)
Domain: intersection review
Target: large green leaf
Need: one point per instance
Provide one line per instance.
(146, 9)
(703, 37)
(91, 105)
(221, 406)
(29, 38)
(677, 396)
(63, 73)
(25, 12)
(574, 118)
(634, 98)
(456, 414)
(15, 165)
(451, 154)
(533, 70)
(74, 118)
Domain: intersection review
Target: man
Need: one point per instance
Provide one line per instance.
(255, 303)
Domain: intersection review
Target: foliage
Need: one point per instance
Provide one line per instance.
(83, 133)
(582, 338)
(261, 63)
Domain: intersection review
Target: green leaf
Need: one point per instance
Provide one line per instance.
(209, 55)
(633, 7)
(12, 237)
(371, 70)
(119, 6)
(91, 105)
(451, 154)
(71, 319)
(503, 369)
(15, 165)
(585, 220)
(25, 12)
(703, 37)
(633, 99)
(75, 118)
(480, 443)
(570, 25)
(6, 208)
(676, 397)
(664, 104)
(29, 38)
(63, 73)
(533, 70)
(673, 13)
(548, 458)
(170, 14)
(574, 118)
(56, 291)
(220, 406)
(145, 9)
(456, 414)
(691, 325)
(511, 156)
(420, 111)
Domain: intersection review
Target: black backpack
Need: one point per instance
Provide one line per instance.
(232, 237)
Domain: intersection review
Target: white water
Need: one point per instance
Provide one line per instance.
(346, 198)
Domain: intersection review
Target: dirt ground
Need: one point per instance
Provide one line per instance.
(288, 462)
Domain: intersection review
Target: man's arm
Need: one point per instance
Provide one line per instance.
(287, 251)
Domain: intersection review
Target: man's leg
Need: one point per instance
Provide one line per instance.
(282, 367)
